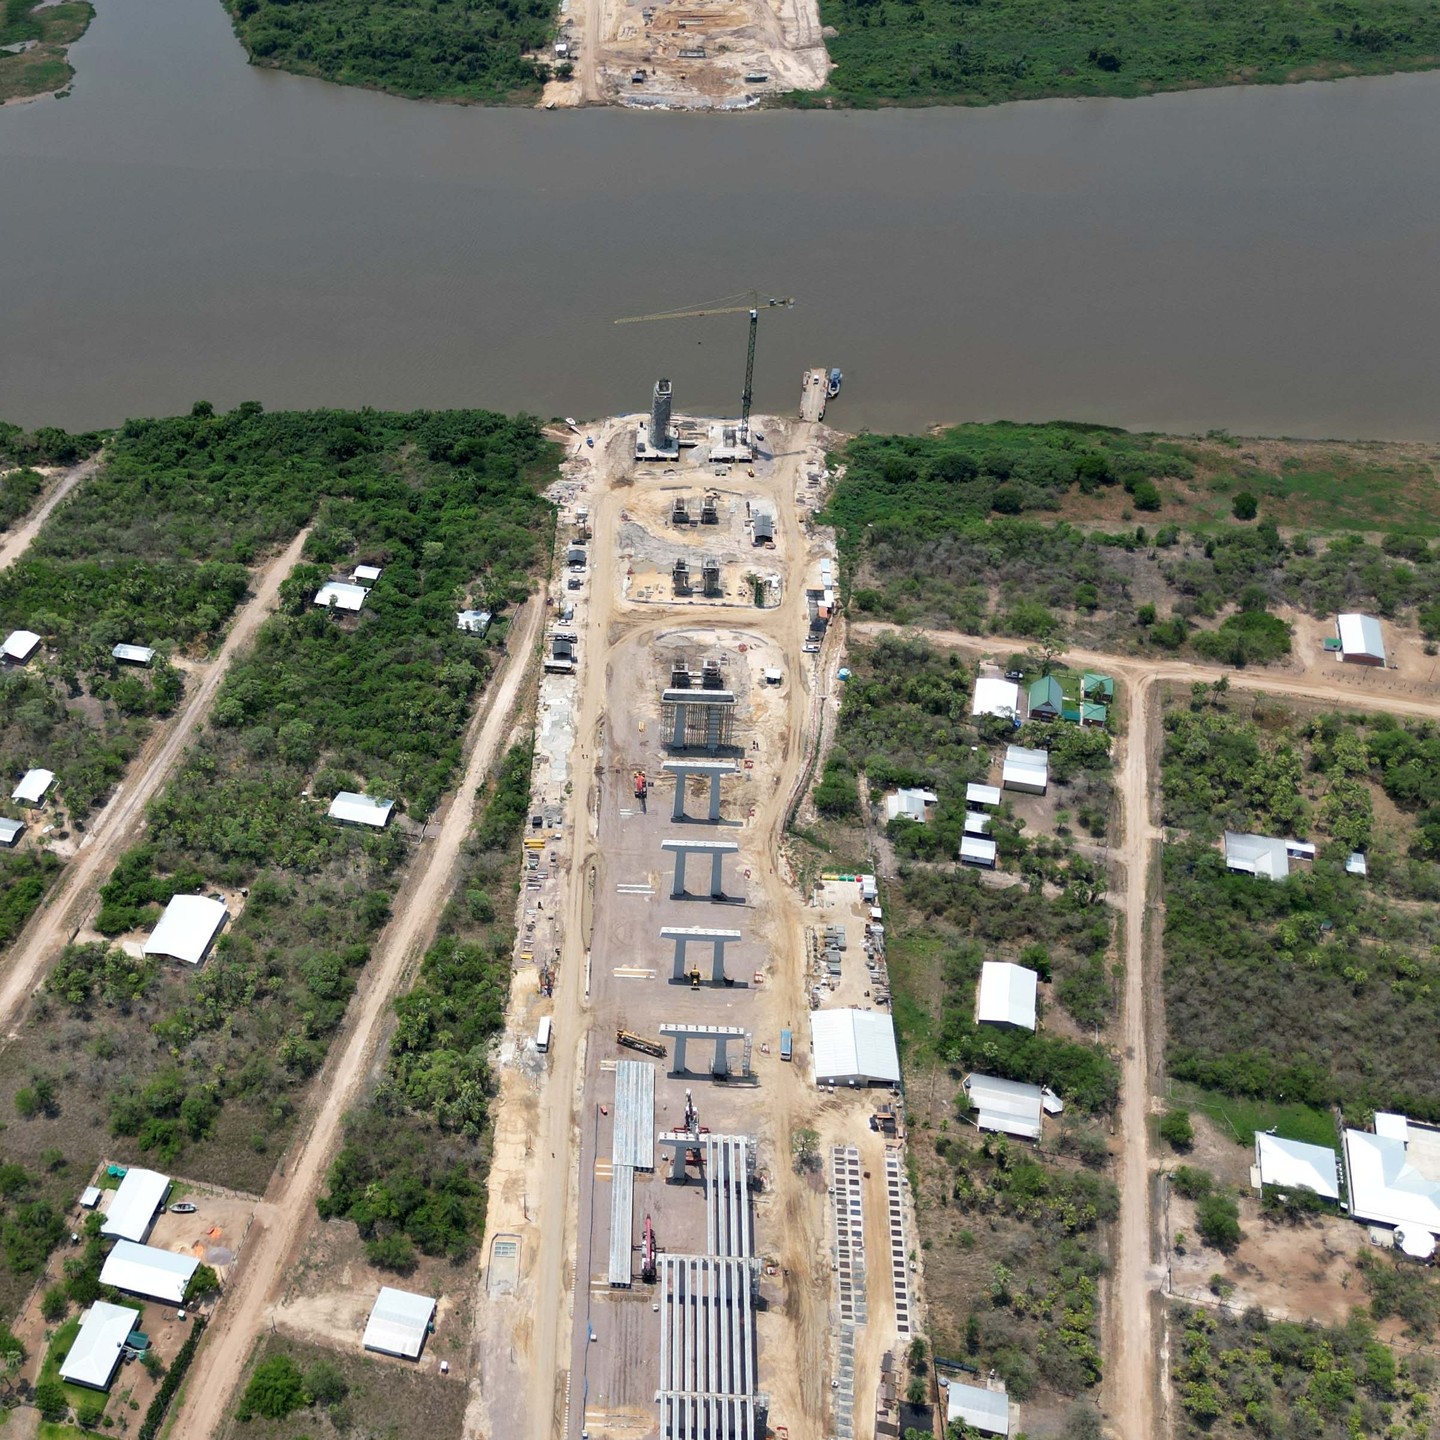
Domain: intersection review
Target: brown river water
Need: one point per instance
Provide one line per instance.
(186, 227)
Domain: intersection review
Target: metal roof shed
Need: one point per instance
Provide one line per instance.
(1257, 855)
(854, 1047)
(11, 831)
(132, 1211)
(337, 595)
(1361, 639)
(978, 850)
(909, 803)
(1025, 769)
(353, 809)
(31, 789)
(472, 622)
(994, 696)
(104, 1329)
(987, 1411)
(399, 1323)
(982, 794)
(19, 646)
(1006, 995)
(976, 823)
(187, 928)
(145, 1270)
(1006, 1106)
(367, 574)
(133, 654)
(1293, 1165)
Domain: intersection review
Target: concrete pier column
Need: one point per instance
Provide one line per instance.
(717, 876)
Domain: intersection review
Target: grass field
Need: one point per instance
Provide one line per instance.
(1242, 1119)
(978, 52)
(42, 68)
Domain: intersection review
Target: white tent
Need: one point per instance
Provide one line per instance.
(1294, 1165)
(19, 646)
(1006, 995)
(31, 789)
(1025, 769)
(1007, 1106)
(399, 1323)
(978, 850)
(987, 1411)
(356, 809)
(132, 1210)
(187, 927)
(854, 1047)
(1257, 855)
(145, 1270)
(994, 696)
(104, 1329)
(337, 595)
(1386, 1186)
(10, 831)
(1361, 640)
(134, 654)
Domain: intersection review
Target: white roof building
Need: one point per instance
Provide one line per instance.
(982, 794)
(356, 809)
(367, 574)
(854, 1047)
(1025, 769)
(1257, 855)
(1006, 995)
(134, 654)
(1007, 1106)
(145, 1270)
(472, 622)
(994, 696)
(19, 646)
(104, 1329)
(976, 823)
(1294, 1165)
(11, 831)
(909, 803)
(987, 1411)
(337, 595)
(187, 928)
(1394, 1178)
(978, 850)
(1361, 639)
(132, 1210)
(399, 1323)
(31, 789)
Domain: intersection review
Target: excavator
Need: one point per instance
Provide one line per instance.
(642, 787)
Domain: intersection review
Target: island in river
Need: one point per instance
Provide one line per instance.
(35, 39)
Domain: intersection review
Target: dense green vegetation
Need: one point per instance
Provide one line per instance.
(984, 51)
(444, 49)
(931, 532)
(19, 489)
(411, 1172)
(1319, 989)
(51, 29)
(1249, 1376)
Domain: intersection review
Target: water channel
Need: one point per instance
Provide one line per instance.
(185, 226)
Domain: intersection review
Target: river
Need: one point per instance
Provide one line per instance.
(184, 227)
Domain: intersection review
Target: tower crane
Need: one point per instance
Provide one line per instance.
(753, 304)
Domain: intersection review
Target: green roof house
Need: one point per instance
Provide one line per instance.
(1046, 699)
(1097, 687)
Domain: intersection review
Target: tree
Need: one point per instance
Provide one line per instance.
(55, 1305)
(391, 1252)
(1245, 506)
(1177, 1129)
(1217, 1217)
(50, 1400)
(805, 1149)
(326, 1384)
(203, 1282)
(275, 1389)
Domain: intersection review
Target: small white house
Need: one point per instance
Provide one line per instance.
(1361, 640)
(978, 850)
(911, 804)
(32, 787)
(352, 809)
(133, 654)
(994, 696)
(976, 795)
(337, 595)
(10, 832)
(1026, 769)
(399, 1323)
(96, 1350)
(366, 574)
(19, 646)
(187, 928)
(1294, 1165)
(1262, 855)
(472, 622)
(1006, 995)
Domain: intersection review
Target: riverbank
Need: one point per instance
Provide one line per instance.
(36, 39)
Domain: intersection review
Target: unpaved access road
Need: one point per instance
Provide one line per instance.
(280, 1226)
(1133, 1380)
(14, 545)
(54, 923)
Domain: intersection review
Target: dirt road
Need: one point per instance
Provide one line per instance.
(242, 1314)
(52, 926)
(15, 544)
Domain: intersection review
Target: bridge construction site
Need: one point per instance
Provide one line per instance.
(678, 1264)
